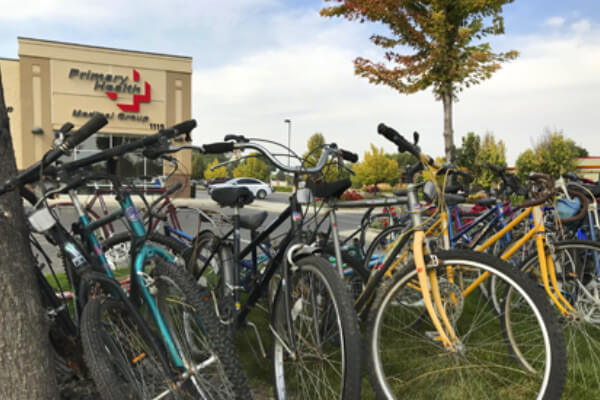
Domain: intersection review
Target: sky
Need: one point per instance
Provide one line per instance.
(258, 62)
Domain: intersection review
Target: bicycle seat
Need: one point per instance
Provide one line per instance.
(232, 196)
(486, 201)
(454, 199)
(400, 192)
(253, 221)
(329, 190)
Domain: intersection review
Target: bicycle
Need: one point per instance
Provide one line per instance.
(185, 351)
(313, 326)
(428, 338)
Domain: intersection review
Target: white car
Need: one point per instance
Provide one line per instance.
(259, 189)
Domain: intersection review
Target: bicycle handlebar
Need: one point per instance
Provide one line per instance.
(401, 142)
(31, 173)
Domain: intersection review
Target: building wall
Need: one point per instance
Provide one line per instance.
(53, 83)
(589, 167)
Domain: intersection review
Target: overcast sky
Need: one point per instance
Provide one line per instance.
(258, 62)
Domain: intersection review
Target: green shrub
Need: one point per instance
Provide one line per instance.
(282, 188)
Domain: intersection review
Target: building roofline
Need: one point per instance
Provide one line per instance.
(9, 59)
(104, 47)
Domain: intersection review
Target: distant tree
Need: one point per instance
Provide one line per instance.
(376, 168)
(581, 152)
(446, 36)
(526, 162)
(199, 164)
(252, 167)
(475, 154)
(553, 154)
(313, 154)
(466, 155)
(220, 172)
(491, 152)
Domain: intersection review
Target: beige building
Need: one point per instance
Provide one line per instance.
(53, 82)
(588, 167)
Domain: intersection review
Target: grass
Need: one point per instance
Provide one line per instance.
(259, 369)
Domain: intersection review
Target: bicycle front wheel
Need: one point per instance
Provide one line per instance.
(316, 339)
(518, 353)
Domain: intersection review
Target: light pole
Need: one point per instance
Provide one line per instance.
(289, 122)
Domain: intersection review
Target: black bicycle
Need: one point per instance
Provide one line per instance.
(315, 334)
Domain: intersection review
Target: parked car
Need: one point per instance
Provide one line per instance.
(216, 181)
(259, 189)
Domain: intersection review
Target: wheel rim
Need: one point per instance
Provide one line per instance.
(409, 360)
(318, 371)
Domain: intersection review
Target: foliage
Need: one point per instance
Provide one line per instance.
(376, 168)
(282, 188)
(581, 152)
(220, 172)
(446, 38)
(201, 161)
(474, 155)
(313, 154)
(467, 153)
(252, 167)
(553, 155)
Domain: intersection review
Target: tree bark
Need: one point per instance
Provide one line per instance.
(26, 368)
(449, 149)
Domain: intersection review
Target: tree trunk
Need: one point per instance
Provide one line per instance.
(26, 368)
(449, 149)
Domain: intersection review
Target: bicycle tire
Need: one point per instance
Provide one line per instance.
(404, 355)
(120, 370)
(325, 289)
(178, 292)
(575, 264)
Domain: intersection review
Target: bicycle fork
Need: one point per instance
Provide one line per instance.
(428, 282)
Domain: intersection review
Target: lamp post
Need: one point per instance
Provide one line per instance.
(289, 123)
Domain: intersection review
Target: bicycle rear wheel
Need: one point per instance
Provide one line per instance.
(325, 361)
(519, 354)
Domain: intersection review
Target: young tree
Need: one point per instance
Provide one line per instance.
(491, 152)
(26, 367)
(475, 155)
(220, 172)
(553, 155)
(376, 168)
(466, 155)
(445, 36)
(252, 167)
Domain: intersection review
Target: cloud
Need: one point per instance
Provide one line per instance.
(582, 26)
(553, 84)
(554, 22)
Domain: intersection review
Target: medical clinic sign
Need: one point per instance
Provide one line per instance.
(113, 86)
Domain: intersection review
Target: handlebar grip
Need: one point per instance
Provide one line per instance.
(218, 148)
(399, 140)
(184, 127)
(236, 138)
(88, 129)
(67, 126)
(174, 188)
(349, 156)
